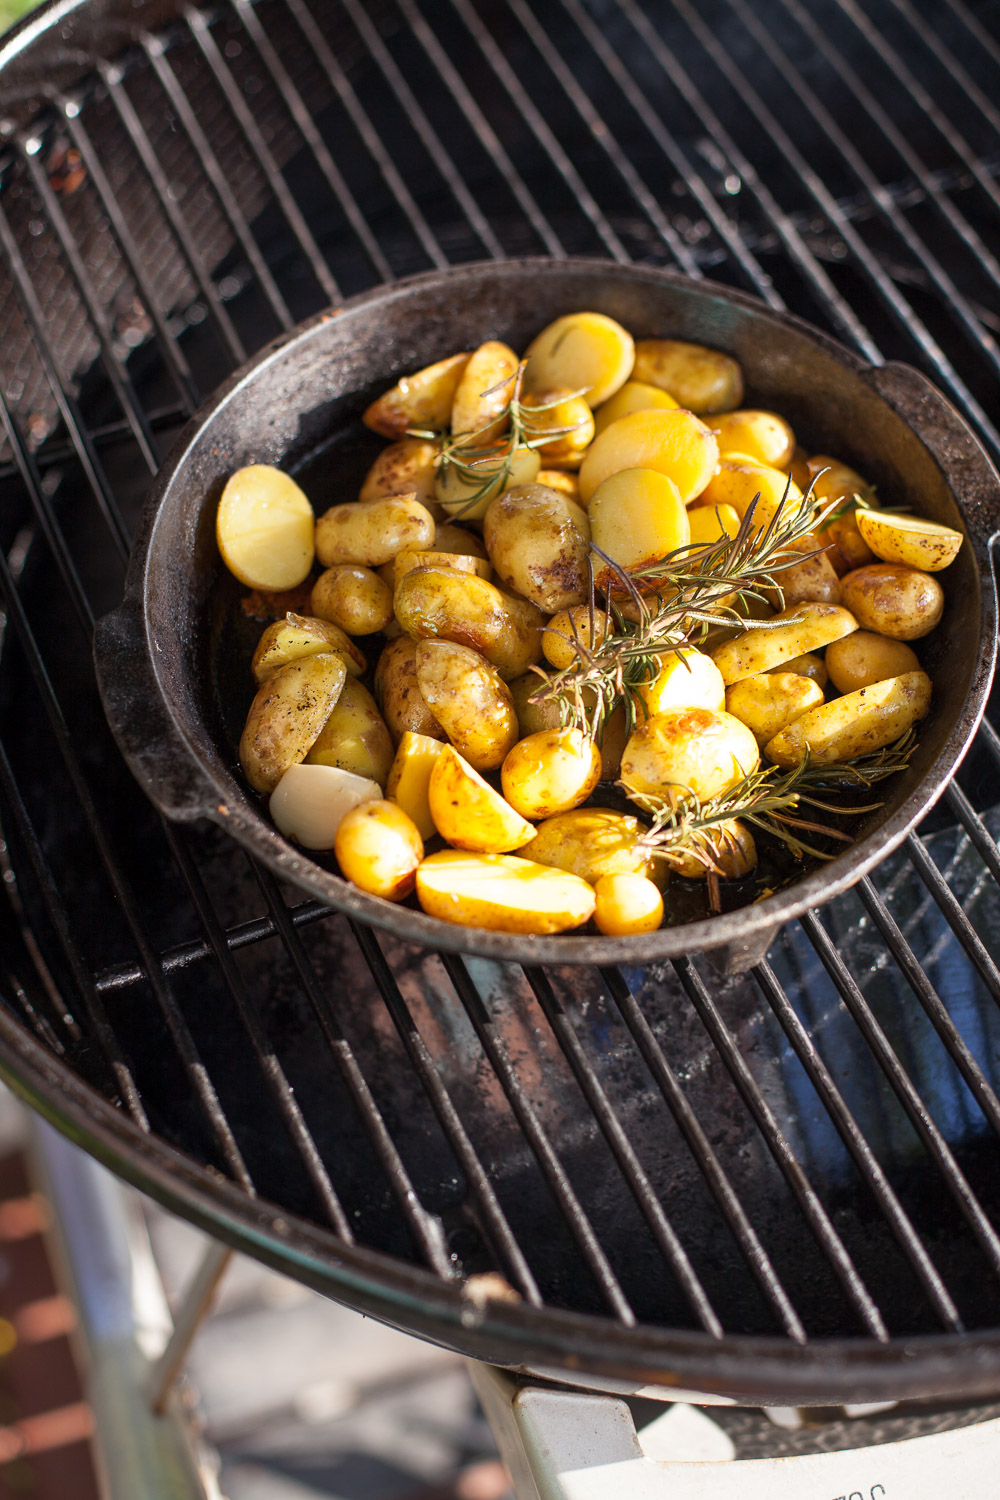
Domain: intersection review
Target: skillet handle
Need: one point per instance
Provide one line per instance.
(959, 453)
(155, 750)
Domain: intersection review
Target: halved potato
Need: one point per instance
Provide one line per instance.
(265, 528)
(856, 724)
(675, 443)
(409, 779)
(909, 540)
(634, 395)
(470, 701)
(701, 379)
(809, 627)
(355, 737)
(310, 802)
(468, 812)
(710, 523)
(581, 351)
(559, 409)
(287, 714)
(637, 516)
(303, 635)
(687, 679)
(405, 562)
(550, 772)
(502, 893)
(420, 400)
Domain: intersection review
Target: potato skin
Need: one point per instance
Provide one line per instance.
(688, 749)
(627, 905)
(860, 722)
(811, 581)
(537, 541)
(550, 772)
(591, 842)
(288, 712)
(808, 628)
(892, 600)
(570, 412)
(440, 603)
(728, 849)
(353, 597)
(531, 717)
(302, 635)
(404, 468)
(423, 399)
(468, 812)
(479, 395)
(699, 378)
(863, 658)
(378, 849)
(768, 702)
(502, 892)
(470, 701)
(398, 694)
(371, 532)
(355, 737)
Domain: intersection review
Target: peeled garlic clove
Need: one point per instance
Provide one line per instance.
(309, 802)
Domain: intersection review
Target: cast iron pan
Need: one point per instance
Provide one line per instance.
(163, 657)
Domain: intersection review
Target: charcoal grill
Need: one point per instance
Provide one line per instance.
(778, 1187)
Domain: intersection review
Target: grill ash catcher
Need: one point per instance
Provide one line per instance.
(767, 1179)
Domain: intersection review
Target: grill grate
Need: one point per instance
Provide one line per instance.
(671, 1171)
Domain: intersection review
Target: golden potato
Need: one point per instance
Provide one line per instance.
(568, 630)
(844, 545)
(809, 627)
(762, 435)
(469, 700)
(811, 581)
(405, 562)
(458, 540)
(893, 600)
(550, 772)
(353, 597)
(531, 717)
(837, 483)
(633, 396)
(371, 532)
(833, 480)
(408, 467)
(591, 842)
(468, 812)
(302, 635)
(727, 850)
(559, 409)
(420, 400)
(688, 749)
(441, 603)
(909, 540)
(710, 523)
(264, 528)
(808, 665)
(355, 737)
(741, 482)
(378, 849)
(563, 482)
(626, 905)
(799, 468)
(467, 496)
(766, 703)
(409, 779)
(856, 724)
(538, 543)
(701, 379)
(310, 802)
(637, 517)
(675, 443)
(502, 893)
(287, 714)
(398, 692)
(863, 658)
(687, 679)
(484, 390)
(583, 351)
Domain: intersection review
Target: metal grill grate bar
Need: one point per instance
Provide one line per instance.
(953, 913)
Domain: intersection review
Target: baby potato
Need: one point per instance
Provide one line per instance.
(893, 600)
(809, 665)
(836, 482)
(560, 408)
(550, 772)
(727, 850)
(845, 546)
(811, 581)
(404, 468)
(583, 351)
(484, 390)
(799, 468)
(458, 540)
(310, 802)
(633, 396)
(502, 893)
(378, 849)
(459, 494)
(264, 529)
(287, 714)
(856, 724)
(538, 542)
(637, 516)
(710, 523)
(675, 443)
(688, 749)
(420, 400)
(739, 482)
(398, 692)
(909, 540)
(405, 562)
(355, 736)
(371, 532)
(808, 628)
(861, 659)
(591, 842)
(353, 597)
(700, 379)
(300, 635)
(762, 435)
(531, 717)
(469, 700)
(444, 604)
(563, 482)
(687, 679)
(833, 480)
(468, 813)
(567, 631)
(626, 905)
(410, 777)
(767, 702)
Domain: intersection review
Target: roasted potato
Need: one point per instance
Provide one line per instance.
(687, 679)
(809, 665)
(710, 523)
(302, 635)
(371, 532)
(585, 352)
(727, 850)
(637, 517)
(470, 701)
(538, 543)
(767, 703)
(405, 562)
(864, 658)
(675, 443)
(591, 842)
(700, 379)
(688, 749)
(466, 496)
(468, 813)
(894, 600)
(856, 724)
(563, 481)
(909, 540)
(740, 482)
(762, 435)
(626, 905)
(550, 772)
(287, 714)
(398, 694)
(408, 467)
(458, 540)
(421, 400)
(355, 737)
(570, 629)
(531, 717)
(309, 802)
(264, 528)
(809, 627)
(409, 779)
(569, 416)
(811, 581)
(633, 396)
(484, 391)
(378, 849)
(440, 603)
(352, 597)
(502, 893)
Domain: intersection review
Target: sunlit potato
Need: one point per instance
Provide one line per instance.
(864, 658)
(287, 713)
(355, 737)
(627, 905)
(264, 528)
(583, 351)
(531, 717)
(405, 562)
(484, 391)
(762, 435)
(468, 813)
(378, 849)
(710, 523)
(371, 532)
(699, 378)
(470, 701)
(310, 802)
(637, 517)
(857, 724)
(405, 468)
(458, 540)
(804, 628)
(687, 679)
(688, 750)
(810, 665)
(352, 597)
(408, 783)
(570, 413)
(421, 400)
(440, 603)
(675, 443)
(502, 893)
(568, 631)
(772, 700)
(286, 640)
(538, 542)
(739, 482)
(550, 772)
(909, 540)
(563, 481)
(459, 493)
(893, 600)
(633, 396)
(591, 842)
(837, 484)
(727, 850)
(811, 581)
(398, 694)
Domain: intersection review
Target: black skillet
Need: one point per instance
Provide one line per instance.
(162, 656)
